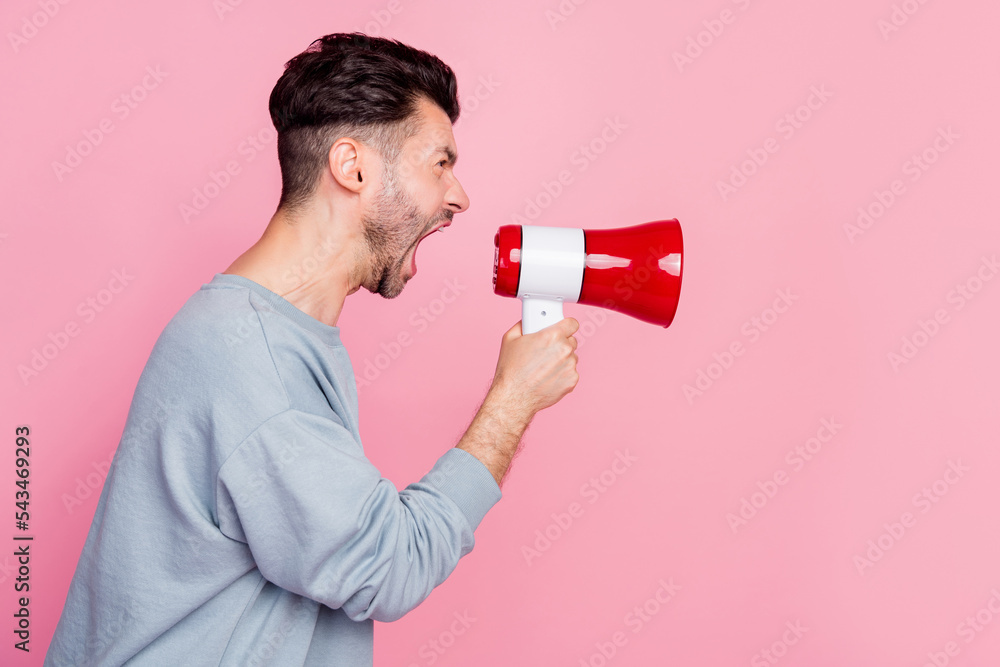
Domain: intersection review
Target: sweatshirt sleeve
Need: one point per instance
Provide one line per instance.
(321, 521)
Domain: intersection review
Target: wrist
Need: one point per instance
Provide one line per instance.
(508, 407)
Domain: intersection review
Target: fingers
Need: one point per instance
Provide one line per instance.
(563, 330)
(513, 332)
(568, 325)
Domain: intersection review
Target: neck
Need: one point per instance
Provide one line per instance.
(311, 258)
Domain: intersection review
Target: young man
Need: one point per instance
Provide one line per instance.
(240, 523)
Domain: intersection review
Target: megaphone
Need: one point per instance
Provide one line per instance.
(634, 270)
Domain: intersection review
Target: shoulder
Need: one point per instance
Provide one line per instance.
(214, 340)
(210, 325)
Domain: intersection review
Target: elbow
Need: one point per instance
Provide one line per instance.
(385, 606)
(383, 613)
(389, 614)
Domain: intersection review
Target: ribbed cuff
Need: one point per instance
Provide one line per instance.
(467, 481)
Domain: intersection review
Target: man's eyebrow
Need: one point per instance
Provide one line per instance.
(452, 155)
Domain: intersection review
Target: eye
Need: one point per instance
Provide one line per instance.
(442, 163)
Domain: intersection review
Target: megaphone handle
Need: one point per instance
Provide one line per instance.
(536, 314)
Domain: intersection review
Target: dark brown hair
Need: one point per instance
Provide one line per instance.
(350, 84)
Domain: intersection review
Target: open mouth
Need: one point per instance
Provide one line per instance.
(413, 259)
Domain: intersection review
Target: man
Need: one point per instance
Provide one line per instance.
(240, 523)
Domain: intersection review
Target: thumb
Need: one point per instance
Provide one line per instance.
(513, 332)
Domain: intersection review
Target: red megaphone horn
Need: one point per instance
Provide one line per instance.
(634, 270)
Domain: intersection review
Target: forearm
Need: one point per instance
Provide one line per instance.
(495, 432)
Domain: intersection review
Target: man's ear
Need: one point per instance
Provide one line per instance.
(345, 164)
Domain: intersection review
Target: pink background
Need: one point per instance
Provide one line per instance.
(552, 87)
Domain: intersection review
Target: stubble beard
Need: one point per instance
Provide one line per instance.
(390, 233)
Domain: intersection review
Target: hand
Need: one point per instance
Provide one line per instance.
(536, 370)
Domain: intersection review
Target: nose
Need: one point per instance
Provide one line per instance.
(457, 200)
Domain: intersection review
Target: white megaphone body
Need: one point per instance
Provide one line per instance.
(634, 270)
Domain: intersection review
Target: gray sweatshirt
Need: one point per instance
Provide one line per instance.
(240, 522)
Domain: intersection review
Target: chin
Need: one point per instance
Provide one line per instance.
(391, 289)
(390, 284)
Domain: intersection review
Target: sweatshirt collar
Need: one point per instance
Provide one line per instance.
(328, 334)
